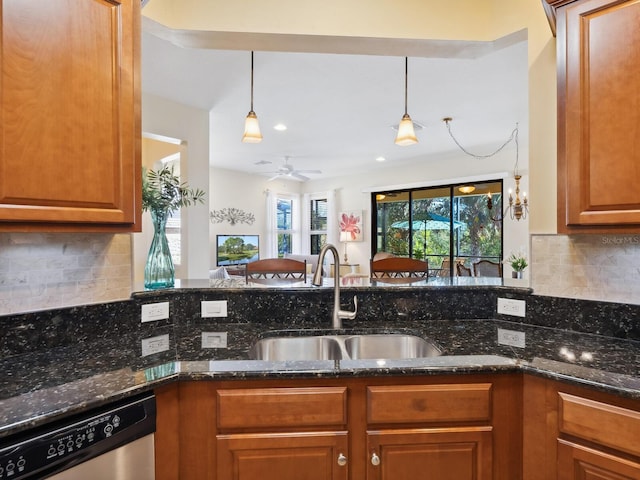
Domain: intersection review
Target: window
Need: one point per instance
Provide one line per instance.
(318, 224)
(285, 211)
(441, 224)
(174, 223)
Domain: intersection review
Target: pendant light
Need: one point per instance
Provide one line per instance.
(406, 134)
(251, 128)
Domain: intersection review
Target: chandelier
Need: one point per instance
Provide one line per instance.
(518, 208)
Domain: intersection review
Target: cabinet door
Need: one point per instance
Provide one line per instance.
(576, 462)
(443, 454)
(279, 456)
(70, 116)
(599, 115)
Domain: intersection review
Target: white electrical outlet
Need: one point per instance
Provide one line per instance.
(214, 339)
(213, 308)
(512, 338)
(152, 312)
(153, 345)
(509, 306)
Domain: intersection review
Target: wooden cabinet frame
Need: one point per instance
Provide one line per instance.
(70, 128)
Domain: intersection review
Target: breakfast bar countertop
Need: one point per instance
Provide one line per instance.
(43, 386)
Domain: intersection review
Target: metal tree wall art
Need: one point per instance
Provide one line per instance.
(232, 215)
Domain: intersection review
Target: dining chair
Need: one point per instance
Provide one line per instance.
(380, 255)
(445, 268)
(487, 268)
(399, 267)
(463, 271)
(276, 268)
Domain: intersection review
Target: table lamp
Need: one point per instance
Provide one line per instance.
(345, 237)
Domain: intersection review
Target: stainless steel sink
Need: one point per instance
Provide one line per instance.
(389, 346)
(338, 347)
(296, 348)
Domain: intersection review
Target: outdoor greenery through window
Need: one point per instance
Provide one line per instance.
(318, 228)
(285, 225)
(441, 224)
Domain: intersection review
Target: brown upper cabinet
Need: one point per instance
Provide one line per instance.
(598, 114)
(70, 104)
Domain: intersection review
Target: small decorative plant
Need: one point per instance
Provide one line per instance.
(163, 192)
(517, 261)
(162, 196)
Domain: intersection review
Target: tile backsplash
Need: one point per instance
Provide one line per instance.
(51, 270)
(590, 267)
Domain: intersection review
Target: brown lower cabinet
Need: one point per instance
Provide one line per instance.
(454, 427)
(573, 433)
(577, 462)
(447, 453)
(450, 427)
(276, 456)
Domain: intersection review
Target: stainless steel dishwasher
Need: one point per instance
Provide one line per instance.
(111, 443)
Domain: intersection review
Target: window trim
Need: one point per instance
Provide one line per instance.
(295, 221)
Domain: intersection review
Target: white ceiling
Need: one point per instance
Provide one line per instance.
(340, 108)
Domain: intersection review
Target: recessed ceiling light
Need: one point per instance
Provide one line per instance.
(281, 127)
(380, 159)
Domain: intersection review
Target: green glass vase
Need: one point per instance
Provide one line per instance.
(159, 271)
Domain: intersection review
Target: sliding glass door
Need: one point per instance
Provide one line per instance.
(445, 225)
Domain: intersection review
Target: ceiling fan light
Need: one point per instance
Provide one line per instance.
(406, 133)
(251, 129)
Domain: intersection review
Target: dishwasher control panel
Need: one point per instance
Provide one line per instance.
(60, 446)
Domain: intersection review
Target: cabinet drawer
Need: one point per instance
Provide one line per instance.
(282, 407)
(429, 403)
(598, 422)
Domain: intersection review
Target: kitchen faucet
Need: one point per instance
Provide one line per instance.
(338, 314)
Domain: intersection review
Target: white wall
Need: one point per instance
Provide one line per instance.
(169, 119)
(246, 192)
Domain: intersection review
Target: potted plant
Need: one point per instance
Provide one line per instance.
(162, 196)
(518, 263)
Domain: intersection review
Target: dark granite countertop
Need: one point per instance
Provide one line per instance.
(46, 385)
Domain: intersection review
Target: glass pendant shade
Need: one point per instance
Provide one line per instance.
(251, 129)
(406, 133)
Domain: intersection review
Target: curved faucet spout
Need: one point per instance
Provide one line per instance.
(337, 315)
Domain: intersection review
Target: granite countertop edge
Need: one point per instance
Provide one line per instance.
(33, 409)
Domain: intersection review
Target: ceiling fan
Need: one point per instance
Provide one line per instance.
(287, 170)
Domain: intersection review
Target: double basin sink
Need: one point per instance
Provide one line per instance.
(343, 347)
